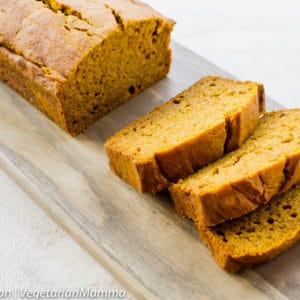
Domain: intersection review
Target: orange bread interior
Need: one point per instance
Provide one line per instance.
(213, 116)
(268, 163)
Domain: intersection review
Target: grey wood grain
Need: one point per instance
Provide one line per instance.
(139, 238)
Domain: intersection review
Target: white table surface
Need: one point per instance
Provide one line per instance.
(257, 40)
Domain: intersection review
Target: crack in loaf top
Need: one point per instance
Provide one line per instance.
(55, 35)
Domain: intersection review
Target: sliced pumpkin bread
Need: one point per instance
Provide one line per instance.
(268, 163)
(77, 60)
(258, 236)
(193, 129)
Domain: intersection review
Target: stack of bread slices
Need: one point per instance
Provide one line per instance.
(229, 165)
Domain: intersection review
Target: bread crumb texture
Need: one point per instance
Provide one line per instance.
(268, 163)
(213, 116)
(258, 236)
(76, 60)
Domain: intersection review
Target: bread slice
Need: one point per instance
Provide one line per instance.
(258, 236)
(268, 163)
(78, 60)
(213, 116)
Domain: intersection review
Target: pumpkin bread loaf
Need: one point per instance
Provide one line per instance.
(76, 60)
(268, 163)
(258, 236)
(213, 116)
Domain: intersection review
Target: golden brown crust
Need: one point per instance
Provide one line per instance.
(262, 95)
(241, 125)
(59, 39)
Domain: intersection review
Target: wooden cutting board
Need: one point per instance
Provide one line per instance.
(138, 238)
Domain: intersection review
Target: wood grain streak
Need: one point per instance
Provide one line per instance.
(139, 238)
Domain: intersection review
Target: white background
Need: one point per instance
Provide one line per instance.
(256, 40)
